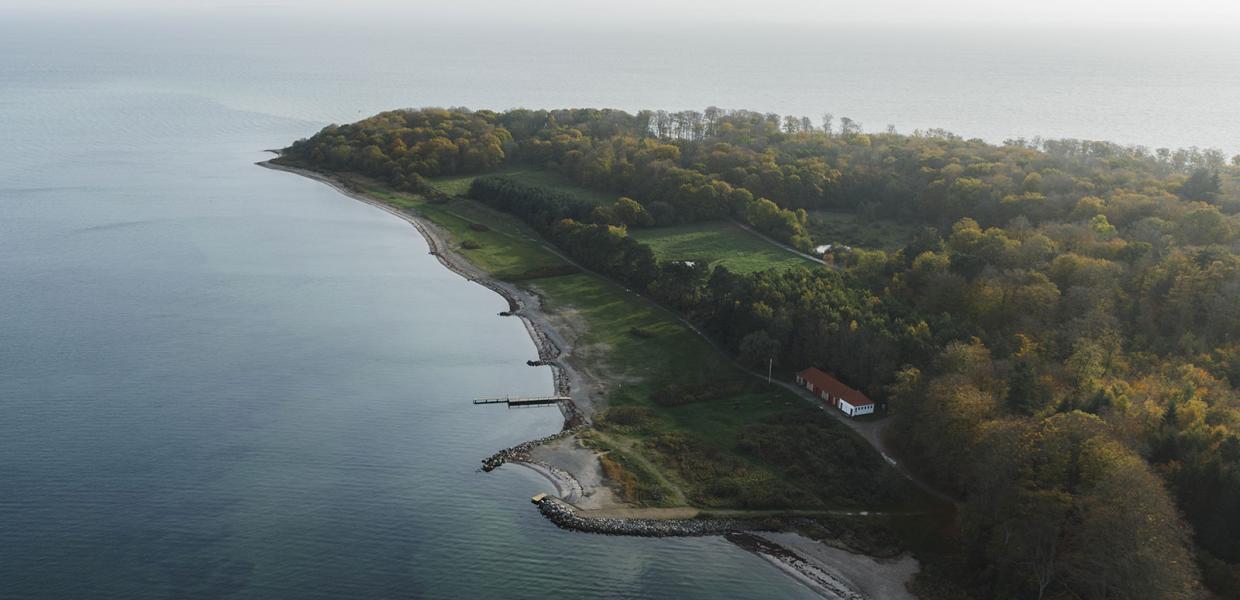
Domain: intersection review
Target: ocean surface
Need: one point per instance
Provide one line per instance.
(221, 381)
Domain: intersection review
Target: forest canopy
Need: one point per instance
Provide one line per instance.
(1058, 346)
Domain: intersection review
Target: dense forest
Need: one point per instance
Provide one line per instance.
(1059, 346)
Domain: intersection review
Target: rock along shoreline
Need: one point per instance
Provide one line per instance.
(566, 516)
(521, 452)
(559, 510)
(549, 352)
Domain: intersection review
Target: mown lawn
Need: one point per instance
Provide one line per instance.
(643, 343)
(718, 243)
(459, 185)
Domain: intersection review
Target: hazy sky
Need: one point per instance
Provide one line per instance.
(811, 12)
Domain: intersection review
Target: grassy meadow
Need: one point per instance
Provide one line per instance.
(684, 425)
(718, 243)
(459, 185)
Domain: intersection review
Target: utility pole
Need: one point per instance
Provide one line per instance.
(770, 363)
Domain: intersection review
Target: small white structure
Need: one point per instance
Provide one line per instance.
(853, 411)
(825, 248)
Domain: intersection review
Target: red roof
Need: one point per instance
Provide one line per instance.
(835, 387)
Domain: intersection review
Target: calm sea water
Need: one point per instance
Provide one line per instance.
(222, 381)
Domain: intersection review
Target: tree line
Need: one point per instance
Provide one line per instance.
(1059, 346)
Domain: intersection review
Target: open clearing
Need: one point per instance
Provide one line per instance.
(718, 243)
(851, 229)
(459, 185)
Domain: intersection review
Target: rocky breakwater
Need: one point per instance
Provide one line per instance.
(548, 356)
(566, 516)
(521, 452)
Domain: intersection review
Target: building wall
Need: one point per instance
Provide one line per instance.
(854, 411)
(839, 403)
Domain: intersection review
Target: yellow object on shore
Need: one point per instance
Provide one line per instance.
(538, 498)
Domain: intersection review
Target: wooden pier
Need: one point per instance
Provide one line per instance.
(523, 401)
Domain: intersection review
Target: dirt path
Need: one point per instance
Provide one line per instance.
(628, 447)
(781, 245)
(689, 512)
(871, 431)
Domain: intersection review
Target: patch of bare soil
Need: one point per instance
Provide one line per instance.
(569, 456)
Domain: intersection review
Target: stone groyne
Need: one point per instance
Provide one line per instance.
(566, 516)
(521, 452)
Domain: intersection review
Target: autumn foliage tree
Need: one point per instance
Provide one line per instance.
(1058, 345)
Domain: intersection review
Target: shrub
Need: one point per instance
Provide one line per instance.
(638, 332)
(678, 394)
(471, 244)
(822, 457)
(631, 482)
(547, 271)
(715, 478)
(627, 416)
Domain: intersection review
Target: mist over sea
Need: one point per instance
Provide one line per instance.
(1156, 87)
(218, 380)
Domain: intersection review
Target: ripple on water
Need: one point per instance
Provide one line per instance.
(200, 398)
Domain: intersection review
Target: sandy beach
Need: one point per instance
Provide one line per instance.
(832, 572)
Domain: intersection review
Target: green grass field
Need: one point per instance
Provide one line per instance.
(837, 227)
(459, 185)
(508, 249)
(687, 441)
(685, 424)
(718, 243)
